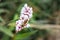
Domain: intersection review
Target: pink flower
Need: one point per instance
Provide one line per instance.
(26, 14)
(18, 25)
(18, 28)
(26, 10)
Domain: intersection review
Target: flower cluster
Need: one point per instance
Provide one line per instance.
(26, 14)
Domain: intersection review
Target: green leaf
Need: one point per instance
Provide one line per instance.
(6, 31)
(1, 19)
(12, 24)
(4, 10)
(15, 17)
(7, 3)
(11, 27)
(24, 35)
(3, 4)
(5, 37)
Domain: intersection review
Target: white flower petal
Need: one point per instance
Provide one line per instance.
(22, 10)
(25, 5)
(31, 10)
(27, 26)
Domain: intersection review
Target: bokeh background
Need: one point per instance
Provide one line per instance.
(45, 23)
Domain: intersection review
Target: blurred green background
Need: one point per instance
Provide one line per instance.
(44, 12)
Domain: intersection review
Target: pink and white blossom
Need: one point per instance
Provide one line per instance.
(26, 14)
(26, 10)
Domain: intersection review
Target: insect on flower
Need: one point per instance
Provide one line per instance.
(26, 14)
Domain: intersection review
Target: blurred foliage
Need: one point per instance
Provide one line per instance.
(10, 12)
(24, 35)
(6, 31)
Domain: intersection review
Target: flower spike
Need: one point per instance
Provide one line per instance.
(26, 14)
